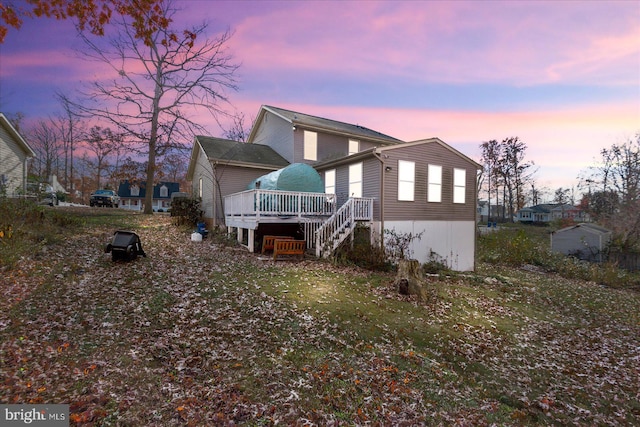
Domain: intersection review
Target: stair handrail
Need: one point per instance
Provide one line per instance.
(335, 225)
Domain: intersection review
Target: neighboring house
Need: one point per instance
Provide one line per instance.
(423, 187)
(132, 195)
(549, 212)
(483, 211)
(584, 241)
(56, 187)
(14, 152)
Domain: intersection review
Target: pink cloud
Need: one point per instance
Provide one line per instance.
(451, 42)
(14, 64)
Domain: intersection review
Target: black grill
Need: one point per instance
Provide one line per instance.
(125, 245)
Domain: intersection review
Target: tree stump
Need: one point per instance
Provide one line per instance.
(410, 280)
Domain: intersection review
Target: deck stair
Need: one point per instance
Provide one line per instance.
(323, 224)
(341, 225)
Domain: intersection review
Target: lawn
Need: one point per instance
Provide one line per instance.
(203, 333)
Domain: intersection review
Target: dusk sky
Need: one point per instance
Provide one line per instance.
(562, 76)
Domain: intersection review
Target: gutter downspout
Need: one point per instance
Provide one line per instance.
(376, 154)
(215, 190)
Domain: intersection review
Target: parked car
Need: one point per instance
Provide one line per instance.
(104, 198)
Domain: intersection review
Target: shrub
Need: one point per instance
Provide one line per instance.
(520, 247)
(364, 253)
(186, 211)
(25, 226)
(397, 244)
(511, 247)
(435, 265)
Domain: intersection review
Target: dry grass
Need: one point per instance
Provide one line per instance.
(206, 334)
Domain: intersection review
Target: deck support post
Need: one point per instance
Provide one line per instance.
(251, 238)
(240, 234)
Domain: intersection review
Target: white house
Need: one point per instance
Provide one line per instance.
(14, 152)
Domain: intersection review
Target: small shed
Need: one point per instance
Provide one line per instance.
(585, 241)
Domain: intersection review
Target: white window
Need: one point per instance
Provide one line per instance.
(459, 179)
(330, 181)
(434, 191)
(310, 145)
(164, 191)
(200, 188)
(135, 190)
(354, 146)
(355, 180)
(406, 180)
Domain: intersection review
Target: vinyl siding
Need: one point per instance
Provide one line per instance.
(12, 164)
(204, 170)
(370, 182)
(330, 146)
(580, 241)
(234, 179)
(420, 209)
(279, 135)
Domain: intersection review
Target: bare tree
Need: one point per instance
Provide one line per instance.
(102, 142)
(515, 171)
(491, 159)
(44, 139)
(237, 131)
(174, 166)
(85, 176)
(157, 83)
(613, 195)
(70, 128)
(130, 170)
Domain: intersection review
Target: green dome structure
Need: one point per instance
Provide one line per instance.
(295, 177)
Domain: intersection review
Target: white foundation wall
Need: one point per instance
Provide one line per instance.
(453, 241)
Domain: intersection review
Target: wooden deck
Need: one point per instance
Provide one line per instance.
(252, 207)
(317, 213)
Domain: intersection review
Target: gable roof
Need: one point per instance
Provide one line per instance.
(235, 153)
(587, 227)
(326, 125)
(241, 152)
(380, 150)
(4, 122)
(124, 189)
(437, 141)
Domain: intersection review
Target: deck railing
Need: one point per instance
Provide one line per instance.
(257, 203)
(341, 224)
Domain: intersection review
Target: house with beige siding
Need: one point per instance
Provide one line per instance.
(423, 187)
(219, 167)
(14, 152)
